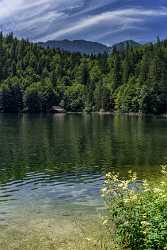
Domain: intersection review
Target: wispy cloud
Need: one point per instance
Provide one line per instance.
(93, 19)
(123, 18)
(7, 8)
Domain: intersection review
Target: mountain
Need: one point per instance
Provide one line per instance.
(123, 45)
(86, 47)
(81, 46)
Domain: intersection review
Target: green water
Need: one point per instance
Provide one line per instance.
(54, 165)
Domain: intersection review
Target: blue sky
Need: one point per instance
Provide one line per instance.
(106, 21)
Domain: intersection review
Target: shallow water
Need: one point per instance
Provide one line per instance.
(52, 166)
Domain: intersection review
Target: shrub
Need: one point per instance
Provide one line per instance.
(136, 211)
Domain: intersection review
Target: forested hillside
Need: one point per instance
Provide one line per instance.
(34, 79)
(81, 46)
(87, 47)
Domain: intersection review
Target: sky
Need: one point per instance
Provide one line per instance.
(105, 21)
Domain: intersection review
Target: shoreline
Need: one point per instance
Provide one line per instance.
(130, 114)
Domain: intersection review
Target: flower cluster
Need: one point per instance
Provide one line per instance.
(136, 211)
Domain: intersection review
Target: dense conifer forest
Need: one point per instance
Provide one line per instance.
(33, 79)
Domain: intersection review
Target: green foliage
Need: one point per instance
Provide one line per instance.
(32, 99)
(12, 94)
(137, 211)
(128, 80)
(127, 97)
(74, 97)
(102, 97)
(40, 97)
(48, 95)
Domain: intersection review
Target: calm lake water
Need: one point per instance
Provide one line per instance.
(54, 165)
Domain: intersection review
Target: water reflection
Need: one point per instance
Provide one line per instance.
(57, 160)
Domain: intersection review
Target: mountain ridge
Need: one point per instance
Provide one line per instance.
(86, 47)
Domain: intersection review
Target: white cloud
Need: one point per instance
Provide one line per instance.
(124, 18)
(58, 19)
(27, 15)
(7, 8)
(39, 23)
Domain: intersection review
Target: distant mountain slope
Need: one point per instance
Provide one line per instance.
(82, 46)
(128, 43)
(86, 47)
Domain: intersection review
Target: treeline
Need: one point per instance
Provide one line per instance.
(33, 79)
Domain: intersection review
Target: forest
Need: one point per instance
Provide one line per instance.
(33, 79)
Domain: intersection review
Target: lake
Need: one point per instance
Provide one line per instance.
(53, 166)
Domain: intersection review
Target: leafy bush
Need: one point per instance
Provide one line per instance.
(136, 211)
